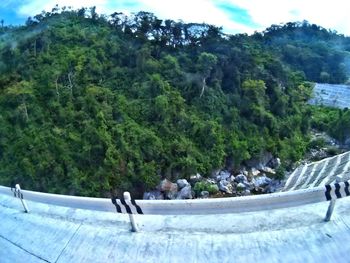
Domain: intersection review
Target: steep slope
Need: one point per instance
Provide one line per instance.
(90, 105)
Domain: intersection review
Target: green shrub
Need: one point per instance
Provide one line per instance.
(205, 186)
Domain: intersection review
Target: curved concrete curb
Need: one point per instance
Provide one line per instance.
(196, 206)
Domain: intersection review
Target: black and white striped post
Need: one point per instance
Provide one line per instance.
(332, 202)
(18, 193)
(133, 224)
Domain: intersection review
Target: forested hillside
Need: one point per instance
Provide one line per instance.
(90, 103)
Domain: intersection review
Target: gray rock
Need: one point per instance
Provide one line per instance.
(261, 181)
(274, 186)
(195, 178)
(241, 178)
(231, 179)
(248, 185)
(215, 173)
(246, 192)
(153, 195)
(274, 163)
(261, 161)
(210, 181)
(204, 194)
(224, 175)
(268, 170)
(225, 186)
(254, 171)
(185, 193)
(181, 183)
(166, 185)
(169, 189)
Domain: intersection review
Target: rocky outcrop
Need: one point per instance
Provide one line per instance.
(251, 179)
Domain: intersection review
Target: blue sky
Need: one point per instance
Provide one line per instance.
(235, 16)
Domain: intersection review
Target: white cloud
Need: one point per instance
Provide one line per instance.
(193, 11)
(329, 14)
(35, 7)
(187, 10)
(262, 12)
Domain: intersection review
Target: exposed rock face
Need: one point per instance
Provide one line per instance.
(251, 178)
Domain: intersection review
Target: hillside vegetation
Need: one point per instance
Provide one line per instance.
(91, 104)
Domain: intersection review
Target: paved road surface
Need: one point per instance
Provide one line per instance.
(58, 234)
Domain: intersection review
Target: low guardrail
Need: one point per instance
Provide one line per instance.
(130, 206)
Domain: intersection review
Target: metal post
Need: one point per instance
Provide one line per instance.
(127, 199)
(20, 196)
(332, 203)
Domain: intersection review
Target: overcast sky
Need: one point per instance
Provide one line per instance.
(235, 16)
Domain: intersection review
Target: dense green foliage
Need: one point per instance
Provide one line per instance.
(335, 122)
(90, 105)
(316, 52)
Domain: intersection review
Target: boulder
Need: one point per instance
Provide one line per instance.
(225, 186)
(231, 179)
(261, 181)
(224, 175)
(169, 189)
(254, 171)
(210, 181)
(274, 163)
(195, 178)
(166, 185)
(153, 195)
(268, 170)
(241, 178)
(185, 193)
(246, 192)
(204, 194)
(274, 186)
(181, 183)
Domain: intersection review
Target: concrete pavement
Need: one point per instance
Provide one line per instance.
(59, 234)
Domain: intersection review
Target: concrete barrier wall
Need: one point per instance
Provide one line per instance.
(193, 206)
(332, 95)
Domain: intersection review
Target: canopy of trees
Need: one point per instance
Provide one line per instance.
(91, 104)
